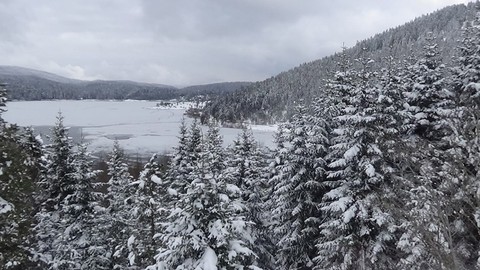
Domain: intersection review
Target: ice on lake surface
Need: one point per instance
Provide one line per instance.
(139, 126)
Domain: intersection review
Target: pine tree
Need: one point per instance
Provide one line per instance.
(213, 151)
(426, 94)
(206, 228)
(247, 169)
(34, 146)
(57, 182)
(359, 230)
(117, 217)
(194, 144)
(58, 179)
(186, 154)
(149, 212)
(74, 246)
(17, 185)
(298, 190)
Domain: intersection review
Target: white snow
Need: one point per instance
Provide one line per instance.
(370, 170)
(5, 206)
(209, 260)
(217, 229)
(172, 192)
(236, 248)
(131, 255)
(352, 152)
(349, 214)
(474, 85)
(224, 198)
(39, 139)
(130, 241)
(234, 189)
(238, 225)
(156, 179)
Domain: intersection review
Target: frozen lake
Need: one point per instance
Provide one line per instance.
(139, 126)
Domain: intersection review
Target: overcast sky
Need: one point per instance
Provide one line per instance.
(184, 42)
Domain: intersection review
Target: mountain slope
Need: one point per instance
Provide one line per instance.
(21, 71)
(29, 84)
(273, 100)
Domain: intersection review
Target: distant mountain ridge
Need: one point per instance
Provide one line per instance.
(273, 100)
(22, 71)
(30, 84)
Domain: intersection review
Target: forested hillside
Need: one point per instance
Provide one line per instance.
(29, 84)
(273, 100)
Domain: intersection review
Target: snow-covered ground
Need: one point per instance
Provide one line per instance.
(140, 126)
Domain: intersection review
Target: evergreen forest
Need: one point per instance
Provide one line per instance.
(379, 172)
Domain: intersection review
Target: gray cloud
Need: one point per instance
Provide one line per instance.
(12, 26)
(189, 41)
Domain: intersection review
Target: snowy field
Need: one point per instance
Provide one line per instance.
(140, 126)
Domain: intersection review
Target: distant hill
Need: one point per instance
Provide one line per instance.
(21, 71)
(272, 100)
(30, 84)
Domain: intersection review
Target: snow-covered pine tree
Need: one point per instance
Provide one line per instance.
(182, 146)
(116, 217)
(15, 204)
(426, 93)
(278, 158)
(213, 151)
(17, 185)
(185, 155)
(358, 230)
(57, 182)
(207, 228)
(34, 146)
(149, 212)
(298, 190)
(248, 169)
(194, 144)
(76, 245)
(46, 230)
(341, 89)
